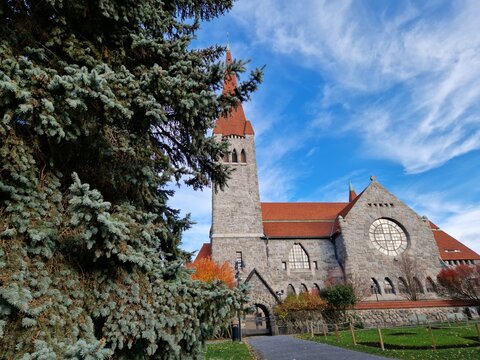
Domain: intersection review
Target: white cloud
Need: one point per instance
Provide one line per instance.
(410, 78)
(460, 220)
(464, 226)
(276, 183)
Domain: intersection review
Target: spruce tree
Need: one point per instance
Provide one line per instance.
(102, 104)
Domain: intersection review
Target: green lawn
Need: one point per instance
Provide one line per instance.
(228, 350)
(455, 343)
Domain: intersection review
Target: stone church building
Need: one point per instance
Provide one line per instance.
(282, 248)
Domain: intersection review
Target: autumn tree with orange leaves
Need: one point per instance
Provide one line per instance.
(207, 270)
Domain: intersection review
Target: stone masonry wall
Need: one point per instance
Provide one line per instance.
(236, 210)
(399, 317)
(362, 259)
(320, 251)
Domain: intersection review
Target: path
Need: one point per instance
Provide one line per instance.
(284, 347)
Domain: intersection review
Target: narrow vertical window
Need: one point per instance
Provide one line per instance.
(234, 156)
(284, 265)
(290, 290)
(402, 286)
(239, 259)
(243, 156)
(303, 288)
(418, 285)
(315, 265)
(375, 287)
(388, 286)
(316, 289)
(431, 288)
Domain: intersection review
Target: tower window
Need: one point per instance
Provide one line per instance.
(298, 258)
(315, 265)
(284, 265)
(226, 157)
(234, 156)
(243, 156)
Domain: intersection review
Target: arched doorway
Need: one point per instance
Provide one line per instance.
(257, 322)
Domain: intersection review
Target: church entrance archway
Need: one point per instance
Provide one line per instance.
(257, 322)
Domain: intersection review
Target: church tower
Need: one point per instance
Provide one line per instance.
(236, 211)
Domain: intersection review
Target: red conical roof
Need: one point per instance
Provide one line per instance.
(235, 123)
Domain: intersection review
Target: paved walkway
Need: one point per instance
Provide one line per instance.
(284, 347)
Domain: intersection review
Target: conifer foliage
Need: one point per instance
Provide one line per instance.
(102, 103)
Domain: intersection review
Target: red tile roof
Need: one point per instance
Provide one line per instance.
(300, 220)
(302, 210)
(235, 123)
(298, 229)
(205, 252)
(452, 249)
(318, 220)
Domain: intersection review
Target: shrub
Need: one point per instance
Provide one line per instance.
(307, 301)
(339, 296)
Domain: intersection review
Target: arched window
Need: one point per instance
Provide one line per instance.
(316, 289)
(431, 287)
(375, 287)
(303, 288)
(418, 285)
(388, 286)
(234, 156)
(243, 156)
(290, 290)
(226, 157)
(298, 258)
(402, 285)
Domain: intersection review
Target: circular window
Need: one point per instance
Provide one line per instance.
(388, 237)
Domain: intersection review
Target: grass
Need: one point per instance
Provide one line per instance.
(228, 350)
(455, 343)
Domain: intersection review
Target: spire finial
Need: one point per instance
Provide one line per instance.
(228, 41)
(351, 192)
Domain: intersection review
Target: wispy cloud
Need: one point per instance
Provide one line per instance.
(337, 190)
(464, 226)
(459, 219)
(407, 74)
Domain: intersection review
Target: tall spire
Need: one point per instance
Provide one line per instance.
(235, 123)
(351, 193)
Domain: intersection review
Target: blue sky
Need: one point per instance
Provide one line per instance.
(360, 88)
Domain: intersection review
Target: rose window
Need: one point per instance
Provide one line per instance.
(388, 237)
